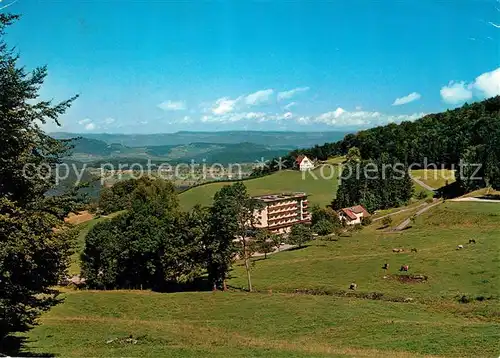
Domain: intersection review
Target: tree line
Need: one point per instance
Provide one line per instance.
(380, 183)
(469, 134)
(155, 245)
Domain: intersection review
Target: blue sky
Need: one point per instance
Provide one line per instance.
(164, 66)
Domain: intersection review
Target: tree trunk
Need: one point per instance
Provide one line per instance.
(247, 267)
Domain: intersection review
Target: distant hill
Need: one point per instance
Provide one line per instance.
(281, 140)
(94, 150)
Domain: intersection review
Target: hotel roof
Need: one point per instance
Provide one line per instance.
(278, 197)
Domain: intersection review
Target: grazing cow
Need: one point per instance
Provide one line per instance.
(404, 268)
(472, 241)
(459, 247)
(413, 250)
(386, 266)
(397, 250)
(353, 286)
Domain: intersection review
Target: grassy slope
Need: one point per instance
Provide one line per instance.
(321, 191)
(434, 178)
(84, 228)
(283, 324)
(208, 324)
(436, 234)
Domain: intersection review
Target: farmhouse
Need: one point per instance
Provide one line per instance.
(281, 211)
(304, 163)
(353, 215)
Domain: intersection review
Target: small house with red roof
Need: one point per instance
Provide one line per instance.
(304, 163)
(353, 215)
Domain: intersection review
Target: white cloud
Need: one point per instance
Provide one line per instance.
(303, 120)
(488, 83)
(484, 86)
(291, 93)
(414, 96)
(85, 121)
(233, 117)
(88, 124)
(109, 120)
(259, 97)
(456, 92)
(289, 105)
(343, 118)
(172, 105)
(225, 105)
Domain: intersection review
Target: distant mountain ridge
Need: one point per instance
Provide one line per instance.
(274, 139)
(92, 150)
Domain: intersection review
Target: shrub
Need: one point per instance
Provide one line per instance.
(365, 221)
(299, 235)
(387, 221)
(421, 195)
(323, 227)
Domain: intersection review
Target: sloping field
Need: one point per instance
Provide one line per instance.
(237, 324)
(434, 178)
(321, 185)
(303, 307)
(451, 273)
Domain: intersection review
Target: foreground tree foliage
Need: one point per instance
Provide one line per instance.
(231, 220)
(117, 197)
(152, 245)
(34, 244)
(155, 245)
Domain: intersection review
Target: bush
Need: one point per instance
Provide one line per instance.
(365, 221)
(323, 227)
(320, 214)
(464, 299)
(387, 221)
(299, 235)
(421, 195)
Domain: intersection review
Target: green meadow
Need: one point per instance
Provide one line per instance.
(320, 184)
(302, 306)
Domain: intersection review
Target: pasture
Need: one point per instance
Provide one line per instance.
(321, 184)
(302, 306)
(435, 178)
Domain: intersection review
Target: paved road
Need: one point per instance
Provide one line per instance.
(407, 222)
(478, 200)
(422, 184)
(282, 248)
(397, 212)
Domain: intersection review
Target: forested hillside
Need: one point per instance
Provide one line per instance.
(470, 133)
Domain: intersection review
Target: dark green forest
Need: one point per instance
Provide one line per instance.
(452, 139)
